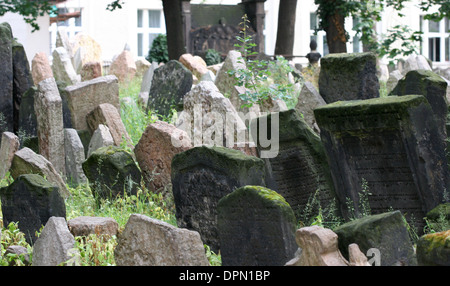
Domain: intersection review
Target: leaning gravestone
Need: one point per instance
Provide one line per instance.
(201, 176)
(169, 85)
(308, 100)
(111, 171)
(6, 78)
(392, 144)
(83, 97)
(62, 67)
(300, 168)
(147, 84)
(385, 233)
(9, 145)
(74, 157)
(31, 200)
(101, 138)
(49, 115)
(256, 228)
(348, 76)
(433, 87)
(150, 242)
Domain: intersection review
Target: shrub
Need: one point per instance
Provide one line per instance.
(212, 57)
(158, 51)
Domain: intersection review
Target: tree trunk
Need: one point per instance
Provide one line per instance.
(336, 36)
(174, 27)
(286, 28)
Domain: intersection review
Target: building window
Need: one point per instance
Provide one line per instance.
(435, 39)
(150, 23)
(72, 26)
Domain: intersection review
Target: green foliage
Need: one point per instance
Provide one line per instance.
(212, 57)
(159, 52)
(30, 10)
(315, 214)
(11, 235)
(256, 77)
(214, 259)
(95, 250)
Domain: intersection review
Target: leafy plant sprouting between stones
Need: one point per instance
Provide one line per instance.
(256, 77)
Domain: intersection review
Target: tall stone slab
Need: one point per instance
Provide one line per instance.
(9, 145)
(49, 115)
(201, 176)
(300, 170)
(256, 228)
(308, 100)
(154, 153)
(147, 84)
(6, 78)
(41, 68)
(433, 87)
(27, 115)
(123, 66)
(31, 200)
(62, 67)
(393, 145)
(346, 76)
(84, 97)
(150, 242)
(74, 157)
(169, 85)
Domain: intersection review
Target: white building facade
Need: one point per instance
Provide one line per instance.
(140, 21)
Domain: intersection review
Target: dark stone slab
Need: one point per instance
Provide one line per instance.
(6, 79)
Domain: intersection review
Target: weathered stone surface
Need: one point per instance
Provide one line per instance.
(433, 87)
(6, 78)
(111, 171)
(101, 138)
(31, 200)
(26, 161)
(300, 170)
(393, 145)
(85, 49)
(62, 67)
(56, 245)
(124, 66)
(394, 77)
(22, 80)
(19, 251)
(170, 83)
(386, 232)
(9, 145)
(108, 115)
(86, 225)
(91, 70)
(256, 228)
(75, 156)
(27, 115)
(434, 249)
(308, 100)
(210, 119)
(40, 68)
(147, 84)
(348, 76)
(195, 64)
(154, 153)
(82, 98)
(149, 242)
(142, 65)
(415, 62)
(49, 115)
(203, 175)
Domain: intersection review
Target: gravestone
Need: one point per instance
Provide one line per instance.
(83, 97)
(147, 84)
(22, 82)
(9, 145)
(55, 245)
(26, 161)
(27, 115)
(86, 225)
(91, 70)
(50, 127)
(433, 87)
(149, 242)
(385, 232)
(393, 145)
(346, 76)
(62, 67)
(74, 157)
(6, 78)
(433, 249)
(31, 200)
(142, 65)
(201, 176)
(300, 169)
(394, 77)
(194, 63)
(308, 100)
(154, 153)
(256, 228)
(123, 66)
(84, 49)
(40, 68)
(111, 171)
(101, 138)
(169, 85)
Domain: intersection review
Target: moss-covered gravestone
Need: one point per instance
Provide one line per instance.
(256, 228)
(111, 172)
(434, 249)
(433, 88)
(169, 85)
(201, 176)
(389, 145)
(31, 200)
(348, 76)
(299, 172)
(6, 78)
(384, 236)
